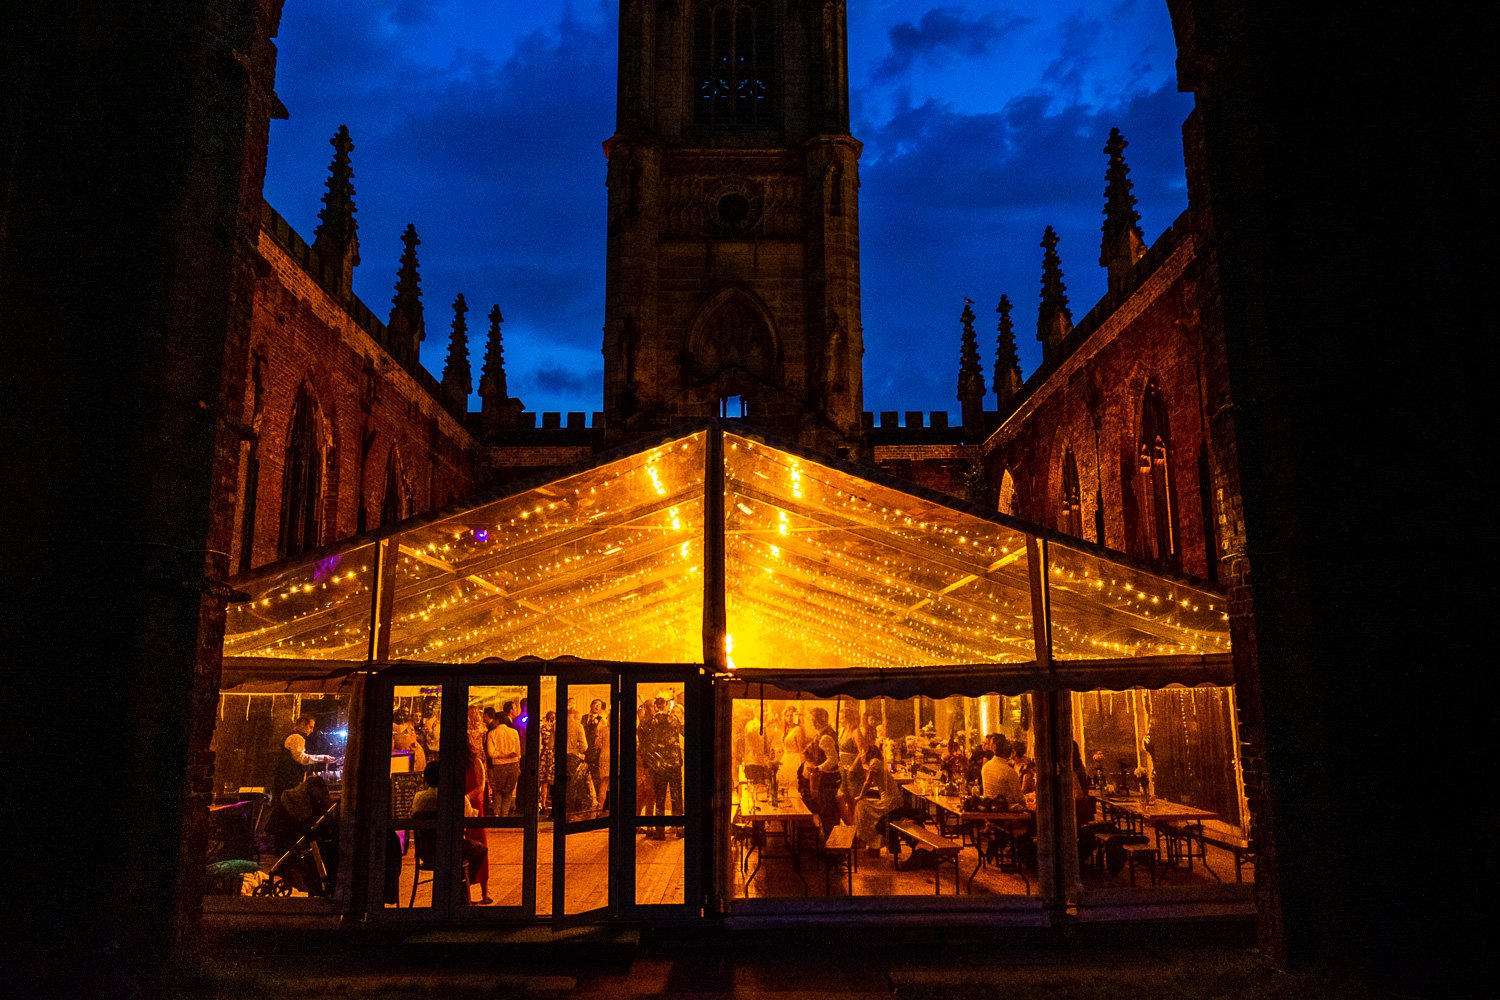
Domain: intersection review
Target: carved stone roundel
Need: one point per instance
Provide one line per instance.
(734, 208)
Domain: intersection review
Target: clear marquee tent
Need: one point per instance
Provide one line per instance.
(722, 547)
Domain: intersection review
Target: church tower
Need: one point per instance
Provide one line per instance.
(732, 281)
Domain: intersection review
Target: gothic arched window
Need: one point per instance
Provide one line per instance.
(733, 59)
(1006, 500)
(1154, 480)
(393, 506)
(1070, 515)
(302, 481)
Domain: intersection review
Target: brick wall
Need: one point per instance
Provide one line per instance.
(369, 406)
(1091, 399)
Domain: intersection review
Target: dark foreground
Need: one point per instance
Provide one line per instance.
(808, 961)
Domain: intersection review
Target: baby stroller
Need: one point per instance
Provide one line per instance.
(302, 866)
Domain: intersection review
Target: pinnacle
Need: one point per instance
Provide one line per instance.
(492, 377)
(1007, 362)
(1123, 242)
(337, 235)
(457, 378)
(970, 377)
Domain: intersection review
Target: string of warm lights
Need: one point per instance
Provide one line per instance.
(824, 569)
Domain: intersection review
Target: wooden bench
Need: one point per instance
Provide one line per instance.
(1136, 854)
(838, 852)
(944, 850)
(1226, 841)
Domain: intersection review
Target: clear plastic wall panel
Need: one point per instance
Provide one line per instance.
(1169, 757)
(317, 610)
(1103, 610)
(254, 764)
(606, 564)
(587, 873)
(824, 569)
(795, 764)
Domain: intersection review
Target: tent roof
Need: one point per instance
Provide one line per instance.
(827, 566)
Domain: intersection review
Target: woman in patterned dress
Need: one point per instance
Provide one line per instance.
(547, 764)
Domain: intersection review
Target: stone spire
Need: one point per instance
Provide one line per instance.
(970, 378)
(336, 239)
(1123, 243)
(406, 327)
(1007, 361)
(499, 410)
(458, 381)
(1053, 320)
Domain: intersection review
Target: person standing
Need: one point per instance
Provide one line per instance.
(660, 742)
(826, 781)
(793, 742)
(429, 728)
(547, 760)
(596, 721)
(404, 740)
(293, 760)
(502, 746)
(579, 794)
(878, 795)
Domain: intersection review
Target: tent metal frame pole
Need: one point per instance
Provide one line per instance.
(715, 784)
(383, 598)
(715, 627)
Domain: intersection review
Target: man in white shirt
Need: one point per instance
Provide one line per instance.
(502, 745)
(293, 760)
(997, 777)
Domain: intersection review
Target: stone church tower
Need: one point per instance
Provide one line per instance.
(732, 283)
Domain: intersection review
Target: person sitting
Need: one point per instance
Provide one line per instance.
(1023, 767)
(877, 797)
(998, 778)
(975, 766)
(293, 816)
(476, 854)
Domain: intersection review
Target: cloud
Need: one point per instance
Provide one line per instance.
(954, 205)
(409, 13)
(560, 381)
(942, 34)
(482, 124)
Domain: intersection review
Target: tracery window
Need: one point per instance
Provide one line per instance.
(732, 62)
(302, 481)
(1070, 516)
(1154, 480)
(393, 505)
(1006, 499)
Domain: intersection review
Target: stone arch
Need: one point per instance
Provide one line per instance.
(306, 480)
(1005, 497)
(733, 346)
(395, 491)
(1155, 479)
(1070, 495)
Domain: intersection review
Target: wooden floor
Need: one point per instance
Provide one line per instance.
(878, 876)
(659, 873)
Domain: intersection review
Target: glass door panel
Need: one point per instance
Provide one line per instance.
(545, 713)
(582, 839)
(499, 837)
(660, 822)
(409, 848)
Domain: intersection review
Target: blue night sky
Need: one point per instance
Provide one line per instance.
(482, 123)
